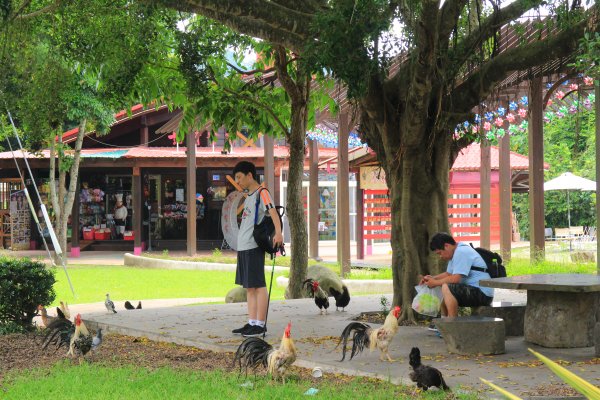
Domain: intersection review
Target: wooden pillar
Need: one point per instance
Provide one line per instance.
(313, 200)
(360, 220)
(138, 212)
(536, 171)
(269, 165)
(505, 198)
(144, 137)
(597, 109)
(191, 193)
(485, 197)
(75, 247)
(343, 195)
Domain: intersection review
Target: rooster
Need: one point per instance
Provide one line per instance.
(364, 335)
(58, 332)
(254, 351)
(424, 375)
(81, 340)
(321, 298)
(331, 283)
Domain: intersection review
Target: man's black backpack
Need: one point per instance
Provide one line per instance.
(263, 233)
(493, 262)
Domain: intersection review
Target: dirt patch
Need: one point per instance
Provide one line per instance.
(23, 351)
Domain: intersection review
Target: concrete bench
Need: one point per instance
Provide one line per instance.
(513, 315)
(472, 335)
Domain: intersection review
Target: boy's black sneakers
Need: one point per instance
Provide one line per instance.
(241, 330)
(254, 331)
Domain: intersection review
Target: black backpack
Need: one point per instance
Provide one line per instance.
(263, 233)
(496, 270)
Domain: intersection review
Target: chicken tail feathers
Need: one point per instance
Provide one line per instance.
(342, 299)
(360, 338)
(251, 353)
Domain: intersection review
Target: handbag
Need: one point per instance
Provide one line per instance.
(428, 300)
(264, 232)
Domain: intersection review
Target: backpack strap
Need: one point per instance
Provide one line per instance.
(258, 202)
(479, 269)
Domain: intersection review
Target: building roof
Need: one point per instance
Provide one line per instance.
(170, 152)
(469, 159)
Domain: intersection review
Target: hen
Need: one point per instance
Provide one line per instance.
(64, 307)
(365, 336)
(254, 352)
(139, 306)
(315, 291)
(424, 375)
(129, 306)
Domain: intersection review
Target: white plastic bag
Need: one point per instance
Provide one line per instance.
(428, 300)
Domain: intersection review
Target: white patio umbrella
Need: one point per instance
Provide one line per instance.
(568, 181)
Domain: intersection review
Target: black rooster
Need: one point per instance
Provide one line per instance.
(424, 375)
(58, 332)
(315, 291)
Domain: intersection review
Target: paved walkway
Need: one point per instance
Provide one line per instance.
(208, 326)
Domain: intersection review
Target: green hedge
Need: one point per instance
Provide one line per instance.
(24, 284)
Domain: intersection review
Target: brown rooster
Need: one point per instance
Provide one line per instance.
(82, 339)
(364, 335)
(254, 352)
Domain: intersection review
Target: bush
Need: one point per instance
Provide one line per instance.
(24, 284)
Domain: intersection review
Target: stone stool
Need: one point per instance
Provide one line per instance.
(472, 335)
(513, 315)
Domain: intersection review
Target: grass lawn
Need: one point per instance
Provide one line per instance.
(92, 381)
(91, 283)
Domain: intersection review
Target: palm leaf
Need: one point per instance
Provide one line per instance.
(499, 389)
(582, 386)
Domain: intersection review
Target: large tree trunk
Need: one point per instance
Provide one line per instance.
(420, 178)
(298, 90)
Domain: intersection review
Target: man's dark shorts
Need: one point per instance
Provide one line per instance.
(250, 271)
(469, 296)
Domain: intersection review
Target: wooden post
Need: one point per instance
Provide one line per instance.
(138, 213)
(343, 195)
(191, 193)
(484, 186)
(505, 198)
(269, 165)
(313, 200)
(144, 137)
(360, 220)
(536, 171)
(75, 247)
(597, 109)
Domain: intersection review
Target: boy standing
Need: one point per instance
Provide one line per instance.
(250, 271)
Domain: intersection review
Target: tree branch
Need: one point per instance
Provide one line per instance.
(480, 84)
(467, 46)
(251, 72)
(47, 9)
(448, 18)
(259, 18)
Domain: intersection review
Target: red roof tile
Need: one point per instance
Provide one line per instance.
(469, 159)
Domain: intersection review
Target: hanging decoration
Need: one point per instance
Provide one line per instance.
(498, 122)
(329, 138)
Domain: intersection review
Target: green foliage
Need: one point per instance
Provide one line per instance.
(356, 25)
(385, 305)
(569, 146)
(217, 253)
(24, 284)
